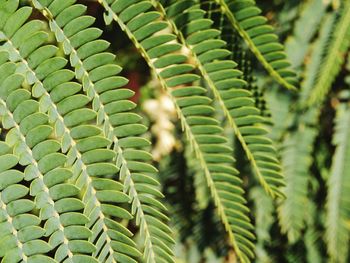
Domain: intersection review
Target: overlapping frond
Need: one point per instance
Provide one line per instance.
(317, 58)
(305, 28)
(68, 109)
(298, 144)
(335, 56)
(239, 54)
(264, 208)
(297, 46)
(29, 133)
(296, 158)
(96, 69)
(153, 37)
(338, 212)
(224, 79)
(245, 17)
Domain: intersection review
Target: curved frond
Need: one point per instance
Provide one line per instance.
(299, 142)
(245, 17)
(68, 110)
(142, 24)
(338, 212)
(209, 54)
(96, 69)
(335, 56)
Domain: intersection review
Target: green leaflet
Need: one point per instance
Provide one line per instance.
(223, 79)
(245, 16)
(337, 218)
(95, 67)
(229, 201)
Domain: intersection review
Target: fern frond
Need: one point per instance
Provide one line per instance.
(317, 58)
(244, 15)
(93, 65)
(29, 135)
(299, 143)
(21, 233)
(335, 56)
(338, 212)
(306, 26)
(238, 54)
(223, 78)
(296, 158)
(264, 208)
(96, 69)
(68, 110)
(143, 26)
(312, 235)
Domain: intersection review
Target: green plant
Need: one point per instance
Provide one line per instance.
(246, 165)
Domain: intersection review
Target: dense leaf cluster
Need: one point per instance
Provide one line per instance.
(78, 182)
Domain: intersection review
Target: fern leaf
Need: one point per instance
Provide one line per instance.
(245, 16)
(94, 67)
(161, 51)
(317, 58)
(312, 236)
(297, 47)
(305, 28)
(264, 209)
(29, 135)
(223, 78)
(21, 233)
(337, 218)
(296, 158)
(335, 56)
(84, 144)
(298, 144)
